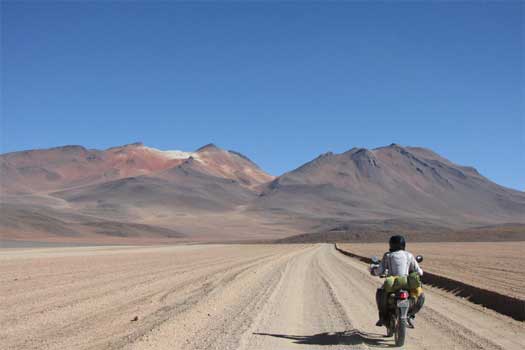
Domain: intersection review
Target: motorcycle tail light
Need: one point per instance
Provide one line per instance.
(403, 295)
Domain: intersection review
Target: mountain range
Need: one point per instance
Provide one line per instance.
(134, 193)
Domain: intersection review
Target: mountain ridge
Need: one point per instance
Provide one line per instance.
(391, 181)
(73, 165)
(216, 194)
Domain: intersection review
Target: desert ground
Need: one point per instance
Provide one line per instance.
(496, 266)
(218, 297)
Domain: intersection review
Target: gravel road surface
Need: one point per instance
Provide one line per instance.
(218, 297)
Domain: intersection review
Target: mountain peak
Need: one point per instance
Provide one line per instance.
(127, 145)
(351, 150)
(395, 146)
(69, 148)
(208, 147)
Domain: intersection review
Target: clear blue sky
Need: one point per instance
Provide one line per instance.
(279, 82)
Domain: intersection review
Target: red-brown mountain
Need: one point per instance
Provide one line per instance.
(71, 192)
(73, 166)
(145, 194)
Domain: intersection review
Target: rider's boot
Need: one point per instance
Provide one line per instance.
(410, 321)
(380, 322)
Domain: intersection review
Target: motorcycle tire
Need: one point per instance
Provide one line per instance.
(400, 332)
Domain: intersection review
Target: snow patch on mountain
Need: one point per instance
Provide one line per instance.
(174, 154)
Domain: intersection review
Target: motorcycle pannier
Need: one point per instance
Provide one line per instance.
(393, 283)
(414, 281)
(411, 282)
(401, 283)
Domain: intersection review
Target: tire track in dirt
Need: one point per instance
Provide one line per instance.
(225, 297)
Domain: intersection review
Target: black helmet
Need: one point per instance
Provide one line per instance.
(397, 243)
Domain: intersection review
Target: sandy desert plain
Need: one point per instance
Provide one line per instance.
(496, 266)
(302, 296)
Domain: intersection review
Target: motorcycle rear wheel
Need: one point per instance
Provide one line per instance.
(400, 332)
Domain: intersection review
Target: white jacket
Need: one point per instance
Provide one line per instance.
(398, 263)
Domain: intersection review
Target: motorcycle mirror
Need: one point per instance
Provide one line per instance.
(375, 260)
(419, 258)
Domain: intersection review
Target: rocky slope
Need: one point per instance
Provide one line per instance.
(73, 166)
(409, 184)
(213, 194)
(74, 193)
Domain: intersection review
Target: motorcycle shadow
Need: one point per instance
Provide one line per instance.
(349, 337)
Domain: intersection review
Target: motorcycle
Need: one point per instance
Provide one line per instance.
(399, 305)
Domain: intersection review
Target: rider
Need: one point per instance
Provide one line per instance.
(396, 262)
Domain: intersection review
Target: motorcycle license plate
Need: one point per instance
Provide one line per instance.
(403, 303)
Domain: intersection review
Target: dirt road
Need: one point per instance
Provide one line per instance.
(218, 297)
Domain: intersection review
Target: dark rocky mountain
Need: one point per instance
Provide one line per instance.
(408, 184)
